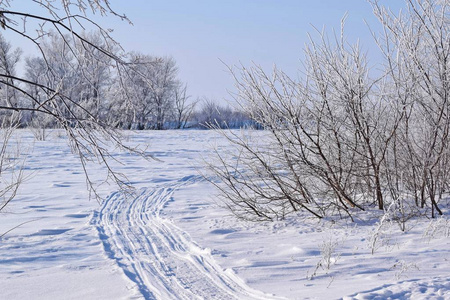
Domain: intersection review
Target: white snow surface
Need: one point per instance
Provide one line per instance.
(173, 239)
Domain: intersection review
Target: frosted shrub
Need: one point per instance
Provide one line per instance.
(340, 139)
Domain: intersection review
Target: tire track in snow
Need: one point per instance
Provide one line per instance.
(158, 256)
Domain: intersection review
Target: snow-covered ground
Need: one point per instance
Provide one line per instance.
(171, 240)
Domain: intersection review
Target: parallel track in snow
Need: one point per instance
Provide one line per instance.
(158, 256)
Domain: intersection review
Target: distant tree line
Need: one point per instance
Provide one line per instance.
(145, 95)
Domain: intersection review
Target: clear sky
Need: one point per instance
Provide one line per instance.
(200, 34)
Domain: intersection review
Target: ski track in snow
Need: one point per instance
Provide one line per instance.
(158, 256)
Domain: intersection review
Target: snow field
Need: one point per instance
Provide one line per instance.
(172, 240)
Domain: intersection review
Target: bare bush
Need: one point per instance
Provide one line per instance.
(328, 254)
(11, 164)
(342, 139)
(323, 152)
(415, 46)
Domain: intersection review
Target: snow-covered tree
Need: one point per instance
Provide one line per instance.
(183, 110)
(56, 29)
(151, 85)
(8, 94)
(342, 139)
(416, 49)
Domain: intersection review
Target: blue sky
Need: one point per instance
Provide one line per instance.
(200, 34)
